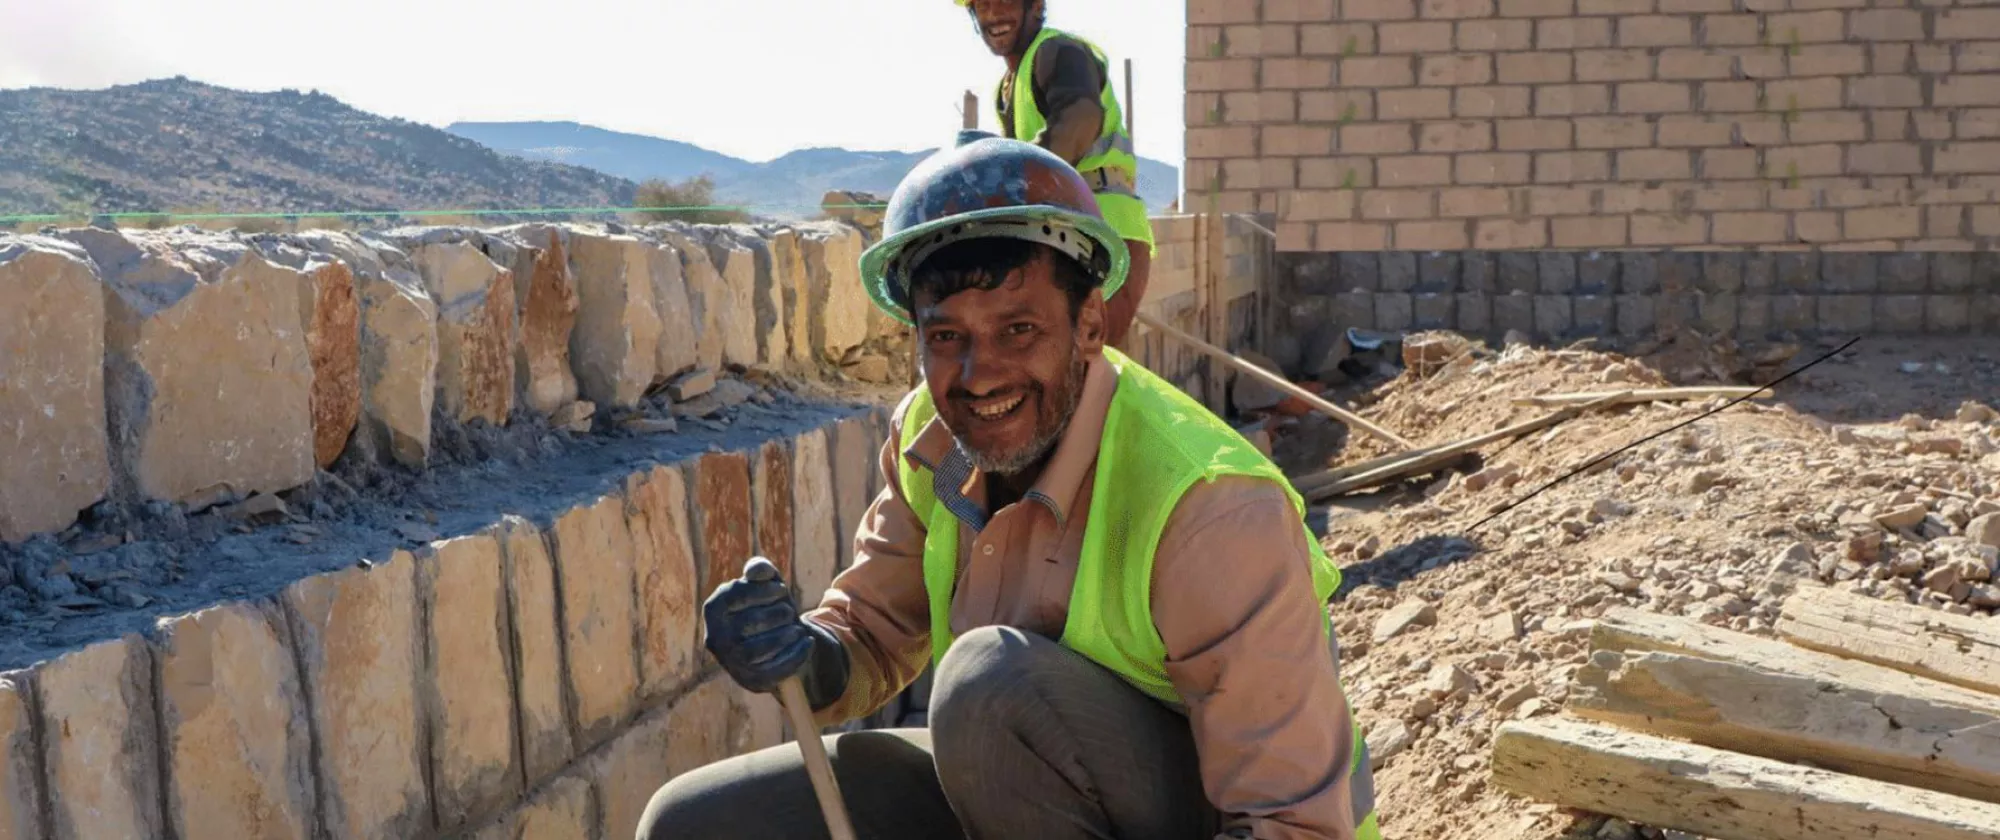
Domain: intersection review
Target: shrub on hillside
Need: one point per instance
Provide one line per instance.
(692, 201)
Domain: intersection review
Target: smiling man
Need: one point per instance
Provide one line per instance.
(1125, 609)
(1065, 103)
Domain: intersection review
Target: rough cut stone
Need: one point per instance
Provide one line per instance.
(616, 342)
(854, 450)
(358, 644)
(208, 382)
(756, 720)
(815, 544)
(767, 296)
(233, 725)
(656, 508)
(722, 516)
(676, 351)
(593, 552)
(20, 781)
(563, 810)
(531, 602)
(398, 348)
(698, 727)
(1402, 617)
(737, 267)
(546, 293)
(100, 747)
(55, 457)
(468, 695)
(634, 767)
(475, 299)
(838, 304)
(788, 269)
(771, 494)
(708, 297)
(332, 317)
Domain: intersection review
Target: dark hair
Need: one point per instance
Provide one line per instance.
(984, 263)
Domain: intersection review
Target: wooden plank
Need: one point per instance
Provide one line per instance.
(1957, 649)
(1724, 795)
(1430, 459)
(1920, 735)
(1644, 395)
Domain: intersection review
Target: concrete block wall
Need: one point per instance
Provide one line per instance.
(532, 679)
(1561, 295)
(1420, 125)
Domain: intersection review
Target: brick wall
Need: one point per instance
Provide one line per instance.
(1362, 125)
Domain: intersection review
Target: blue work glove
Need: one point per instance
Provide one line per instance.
(754, 630)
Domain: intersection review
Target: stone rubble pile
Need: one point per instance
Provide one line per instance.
(192, 368)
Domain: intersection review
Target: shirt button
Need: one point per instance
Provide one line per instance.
(988, 551)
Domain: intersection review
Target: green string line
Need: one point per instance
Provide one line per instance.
(57, 217)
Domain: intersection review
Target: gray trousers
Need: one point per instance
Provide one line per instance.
(1026, 739)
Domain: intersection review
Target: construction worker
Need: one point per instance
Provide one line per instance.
(1067, 104)
(1122, 602)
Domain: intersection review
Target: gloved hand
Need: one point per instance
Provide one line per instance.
(754, 630)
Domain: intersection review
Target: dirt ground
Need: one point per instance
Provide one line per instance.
(1864, 471)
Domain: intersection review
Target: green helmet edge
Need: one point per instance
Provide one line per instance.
(877, 257)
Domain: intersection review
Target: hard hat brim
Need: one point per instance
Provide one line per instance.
(876, 260)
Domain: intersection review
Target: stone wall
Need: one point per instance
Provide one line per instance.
(1419, 125)
(1563, 295)
(534, 679)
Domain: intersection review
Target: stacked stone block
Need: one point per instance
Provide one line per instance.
(529, 680)
(1419, 125)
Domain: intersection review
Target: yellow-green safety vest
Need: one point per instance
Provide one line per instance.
(1157, 443)
(1121, 205)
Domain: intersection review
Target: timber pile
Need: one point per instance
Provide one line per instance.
(1870, 719)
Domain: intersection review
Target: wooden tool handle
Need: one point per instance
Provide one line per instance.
(792, 695)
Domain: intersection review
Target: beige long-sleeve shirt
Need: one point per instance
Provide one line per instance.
(1232, 599)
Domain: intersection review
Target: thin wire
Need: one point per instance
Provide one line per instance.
(1594, 461)
(155, 214)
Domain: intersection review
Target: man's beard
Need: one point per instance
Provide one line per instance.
(1013, 463)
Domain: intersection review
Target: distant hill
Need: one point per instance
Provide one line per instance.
(791, 185)
(175, 144)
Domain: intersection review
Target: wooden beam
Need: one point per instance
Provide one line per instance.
(1640, 395)
(1431, 458)
(1930, 643)
(1274, 380)
(1916, 736)
(969, 111)
(1724, 795)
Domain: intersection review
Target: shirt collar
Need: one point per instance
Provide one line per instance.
(1075, 452)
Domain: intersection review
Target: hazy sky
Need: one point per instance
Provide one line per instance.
(752, 78)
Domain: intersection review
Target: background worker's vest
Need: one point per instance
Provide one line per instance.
(1109, 159)
(1157, 443)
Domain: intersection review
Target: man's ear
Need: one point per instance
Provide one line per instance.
(1090, 323)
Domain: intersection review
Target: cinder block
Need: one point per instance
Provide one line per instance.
(1986, 274)
(1899, 314)
(1311, 273)
(1753, 317)
(1593, 315)
(1597, 272)
(1518, 270)
(1680, 270)
(1675, 311)
(1636, 316)
(1514, 312)
(1399, 271)
(1798, 271)
(1434, 311)
(1558, 272)
(1437, 271)
(1795, 313)
(1951, 272)
(1986, 313)
(1716, 313)
(1475, 313)
(1394, 311)
(1360, 270)
(1947, 314)
(1638, 273)
(1478, 271)
(1847, 314)
(1355, 309)
(1760, 272)
(1848, 272)
(1721, 271)
(1905, 272)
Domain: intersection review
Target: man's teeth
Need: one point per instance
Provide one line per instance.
(995, 411)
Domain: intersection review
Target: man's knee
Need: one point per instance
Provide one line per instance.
(986, 679)
(689, 807)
